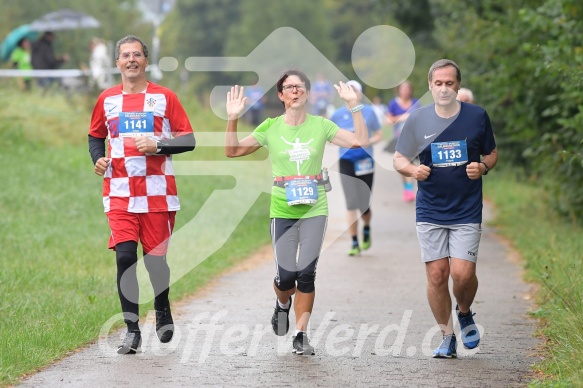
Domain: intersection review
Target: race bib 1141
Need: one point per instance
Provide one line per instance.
(134, 124)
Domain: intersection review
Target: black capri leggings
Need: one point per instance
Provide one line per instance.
(296, 246)
(357, 189)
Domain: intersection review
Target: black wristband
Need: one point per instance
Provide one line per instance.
(487, 168)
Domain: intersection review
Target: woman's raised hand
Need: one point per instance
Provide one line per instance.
(235, 102)
(346, 92)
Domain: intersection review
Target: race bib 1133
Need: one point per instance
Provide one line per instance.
(449, 153)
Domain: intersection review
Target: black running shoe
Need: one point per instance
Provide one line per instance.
(302, 345)
(279, 316)
(164, 324)
(131, 344)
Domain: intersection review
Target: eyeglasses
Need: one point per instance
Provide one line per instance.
(298, 87)
(135, 54)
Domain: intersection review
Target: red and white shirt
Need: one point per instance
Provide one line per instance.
(134, 181)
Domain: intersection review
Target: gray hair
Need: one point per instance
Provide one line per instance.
(130, 39)
(444, 63)
(467, 93)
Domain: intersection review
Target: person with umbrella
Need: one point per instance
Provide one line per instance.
(20, 59)
(44, 58)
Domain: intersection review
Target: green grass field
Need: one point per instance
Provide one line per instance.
(552, 250)
(57, 277)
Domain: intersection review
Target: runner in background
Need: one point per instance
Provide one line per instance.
(357, 171)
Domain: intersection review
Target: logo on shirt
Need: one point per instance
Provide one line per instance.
(427, 137)
(299, 151)
(150, 102)
(113, 126)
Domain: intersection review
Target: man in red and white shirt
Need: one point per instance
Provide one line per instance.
(144, 124)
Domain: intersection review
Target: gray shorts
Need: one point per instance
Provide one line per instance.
(460, 241)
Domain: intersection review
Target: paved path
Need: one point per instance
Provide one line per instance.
(371, 324)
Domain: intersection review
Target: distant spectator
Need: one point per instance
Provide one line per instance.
(99, 64)
(43, 57)
(465, 95)
(256, 99)
(321, 95)
(398, 110)
(21, 60)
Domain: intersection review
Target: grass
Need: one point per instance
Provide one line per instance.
(57, 277)
(552, 249)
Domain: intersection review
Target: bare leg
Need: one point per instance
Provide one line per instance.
(303, 306)
(283, 296)
(352, 220)
(366, 217)
(438, 293)
(465, 282)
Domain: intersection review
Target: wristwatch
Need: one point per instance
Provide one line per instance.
(486, 168)
(159, 149)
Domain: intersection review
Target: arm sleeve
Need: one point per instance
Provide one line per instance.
(177, 145)
(97, 132)
(96, 148)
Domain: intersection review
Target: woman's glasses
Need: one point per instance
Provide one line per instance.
(298, 87)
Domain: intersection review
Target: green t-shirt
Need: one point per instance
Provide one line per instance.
(22, 58)
(296, 151)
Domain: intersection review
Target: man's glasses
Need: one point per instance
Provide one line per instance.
(298, 87)
(135, 54)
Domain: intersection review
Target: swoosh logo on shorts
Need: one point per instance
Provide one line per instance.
(427, 137)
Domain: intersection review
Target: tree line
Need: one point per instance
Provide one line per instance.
(523, 59)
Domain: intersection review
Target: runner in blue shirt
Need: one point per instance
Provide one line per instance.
(455, 145)
(357, 171)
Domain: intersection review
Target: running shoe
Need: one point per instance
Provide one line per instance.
(131, 344)
(279, 316)
(469, 330)
(408, 195)
(164, 324)
(447, 348)
(366, 241)
(354, 251)
(302, 345)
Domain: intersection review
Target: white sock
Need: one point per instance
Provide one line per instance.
(299, 331)
(284, 306)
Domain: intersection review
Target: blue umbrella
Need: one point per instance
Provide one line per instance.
(12, 39)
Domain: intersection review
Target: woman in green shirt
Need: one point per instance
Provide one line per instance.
(21, 60)
(299, 209)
